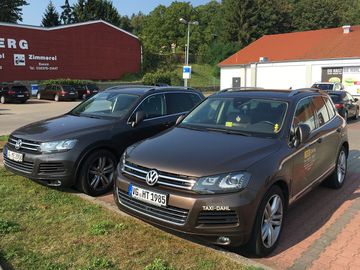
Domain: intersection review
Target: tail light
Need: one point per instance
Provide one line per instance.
(339, 106)
(11, 92)
(88, 92)
(62, 93)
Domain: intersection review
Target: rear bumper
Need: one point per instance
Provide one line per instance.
(50, 169)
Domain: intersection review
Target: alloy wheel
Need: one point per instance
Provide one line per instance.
(2, 100)
(101, 172)
(341, 167)
(272, 221)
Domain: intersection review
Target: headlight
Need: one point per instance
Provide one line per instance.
(121, 164)
(58, 146)
(223, 183)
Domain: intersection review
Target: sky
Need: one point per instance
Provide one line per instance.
(32, 14)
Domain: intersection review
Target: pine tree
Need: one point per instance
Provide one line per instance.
(67, 15)
(11, 10)
(51, 16)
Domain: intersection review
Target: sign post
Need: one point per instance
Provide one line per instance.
(186, 74)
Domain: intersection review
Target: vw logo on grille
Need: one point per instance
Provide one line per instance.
(18, 144)
(152, 177)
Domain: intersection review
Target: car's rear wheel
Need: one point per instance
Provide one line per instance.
(346, 115)
(56, 98)
(268, 223)
(38, 96)
(2, 100)
(97, 173)
(337, 178)
(356, 116)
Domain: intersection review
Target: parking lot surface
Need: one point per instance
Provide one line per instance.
(14, 115)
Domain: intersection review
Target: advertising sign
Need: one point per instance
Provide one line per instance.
(351, 80)
(332, 74)
(187, 72)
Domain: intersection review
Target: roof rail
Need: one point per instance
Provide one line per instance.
(302, 90)
(233, 89)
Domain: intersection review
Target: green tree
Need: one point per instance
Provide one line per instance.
(137, 22)
(87, 10)
(11, 10)
(51, 16)
(317, 14)
(67, 16)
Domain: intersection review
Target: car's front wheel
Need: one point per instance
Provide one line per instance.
(38, 96)
(97, 173)
(56, 98)
(268, 223)
(2, 100)
(356, 116)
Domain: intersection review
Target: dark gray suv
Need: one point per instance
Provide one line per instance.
(82, 147)
(229, 170)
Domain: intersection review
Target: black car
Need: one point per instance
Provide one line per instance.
(13, 93)
(87, 90)
(83, 146)
(345, 103)
(57, 92)
(229, 170)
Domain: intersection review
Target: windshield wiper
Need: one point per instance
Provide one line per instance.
(191, 127)
(227, 131)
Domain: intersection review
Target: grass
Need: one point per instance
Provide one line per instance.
(43, 228)
(202, 76)
(3, 140)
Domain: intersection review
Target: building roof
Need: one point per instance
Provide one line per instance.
(66, 26)
(309, 45)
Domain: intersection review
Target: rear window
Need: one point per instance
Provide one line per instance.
(180, 102)
(92, 87)
(335, 98)
(68, 88)
(323, 86)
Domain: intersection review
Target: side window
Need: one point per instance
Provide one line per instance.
(304, 114)
(330, 107)
(179, 102)
(153, 106)
(350, 97)
(321, 111)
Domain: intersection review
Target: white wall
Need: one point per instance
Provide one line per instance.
(282, 75)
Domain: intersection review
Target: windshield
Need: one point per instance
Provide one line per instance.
(68, 88)
(241, 115)
(92, 87)
(106, 104)
(323, 86)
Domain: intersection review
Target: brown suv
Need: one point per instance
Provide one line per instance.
(228, 171)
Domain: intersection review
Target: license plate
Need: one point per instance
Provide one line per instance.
(20, 95)
(18, 157)
(147, 196)
(72, 93)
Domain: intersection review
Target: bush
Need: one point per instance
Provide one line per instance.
(66, 82)
(170, 78)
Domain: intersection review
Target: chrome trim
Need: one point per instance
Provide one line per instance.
(16, 169)
(180, 180)
(145, 214)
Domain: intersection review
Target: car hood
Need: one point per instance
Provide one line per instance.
(62, 127)
(200, 153)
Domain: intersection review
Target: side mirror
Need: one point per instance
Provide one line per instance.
(356, 99)
(180, 118)
(302, 134)
(139, 117)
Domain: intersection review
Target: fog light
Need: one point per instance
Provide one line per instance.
(223, 240)
(54, 183)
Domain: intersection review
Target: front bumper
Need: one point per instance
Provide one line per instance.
(56, 169)
(207, 217)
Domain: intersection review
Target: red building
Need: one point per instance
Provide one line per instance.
(93, 50)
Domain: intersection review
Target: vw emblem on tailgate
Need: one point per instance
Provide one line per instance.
(152, 177)
(18, 144)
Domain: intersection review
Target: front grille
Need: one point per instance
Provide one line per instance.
(52, 167)
(25, 166)
(25, 144)
(165, 179)
(217, 218)
(169, 214)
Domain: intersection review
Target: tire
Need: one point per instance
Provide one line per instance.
(337, 178)
(356, 116)
(97, 173)
(84, 96)
(260, 244)
(346, 114)
(2, 100)
(38, 96)
(56, 98)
